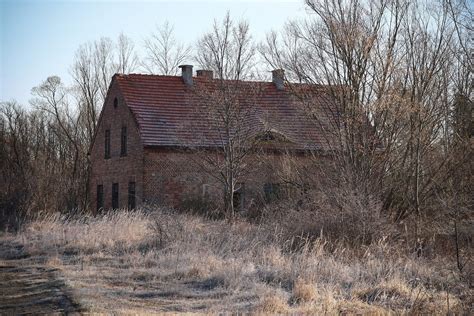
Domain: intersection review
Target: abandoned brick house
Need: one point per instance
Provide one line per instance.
(137, 154)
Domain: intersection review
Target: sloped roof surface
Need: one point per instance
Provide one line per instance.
(169, 113)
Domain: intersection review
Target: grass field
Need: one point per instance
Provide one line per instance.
(160, 261)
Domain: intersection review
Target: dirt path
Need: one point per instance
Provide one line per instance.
(28, 286)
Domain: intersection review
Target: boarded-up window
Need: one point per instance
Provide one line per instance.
(115, 195)
(100, 197)
(107, 144)
(131, 195)
(123, 143)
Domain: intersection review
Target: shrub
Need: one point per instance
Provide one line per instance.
(346, 216)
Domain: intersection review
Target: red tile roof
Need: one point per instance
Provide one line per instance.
(168, 113)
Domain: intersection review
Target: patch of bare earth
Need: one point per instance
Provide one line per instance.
(29, 286)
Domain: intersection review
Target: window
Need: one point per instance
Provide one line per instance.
(107, 144)
(266, 137)
(238, 198)
(270, 136)
(205, 191)
(123, 142)
(100, 197)
(115, 103)
(131, 195)
(115, 196)
(272, 191)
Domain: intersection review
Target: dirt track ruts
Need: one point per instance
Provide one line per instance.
(28, 286)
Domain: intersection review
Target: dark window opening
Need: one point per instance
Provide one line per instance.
(131, 195)
(115, 103)
(107, 144)
(115, 196)
(238, 197)
(272, 191)
(100, 197)
(123, 142)
(205, 191)
(268, 136)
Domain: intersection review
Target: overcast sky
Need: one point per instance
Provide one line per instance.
(39, 38)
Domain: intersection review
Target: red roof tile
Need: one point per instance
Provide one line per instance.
(168, 113)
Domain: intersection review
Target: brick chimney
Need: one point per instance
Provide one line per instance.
(208, 74)
(187, 74)
(278, 78)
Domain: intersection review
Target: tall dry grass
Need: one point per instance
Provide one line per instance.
(84, 234)
(132, 261)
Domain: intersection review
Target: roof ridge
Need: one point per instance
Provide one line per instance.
(145, 75)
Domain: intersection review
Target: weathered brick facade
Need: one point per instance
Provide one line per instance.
(152, 108)
(116, 169)
(171, 177)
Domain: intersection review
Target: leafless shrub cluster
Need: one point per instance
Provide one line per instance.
(43, 155)
(345, 216)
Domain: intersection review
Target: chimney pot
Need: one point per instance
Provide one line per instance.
(278, 78)
(187, 74)
(208, 74)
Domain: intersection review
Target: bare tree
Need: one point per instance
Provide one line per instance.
(87, 87)
(228, 50)
(163, 53)
(94, 65)
(348, 48)
(227, 140)
(52, 101)
(227, 107)
(103, 63)
(386, 63)
(126, 56)
(461, 14)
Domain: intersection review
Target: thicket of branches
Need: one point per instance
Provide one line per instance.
(402, 68)
(43, 153)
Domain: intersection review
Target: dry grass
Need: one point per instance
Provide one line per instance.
(304, 291)
(273, 302)
(167, 262)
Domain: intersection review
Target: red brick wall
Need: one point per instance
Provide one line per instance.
(116, 169)
(172, 176)
(169, 177)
